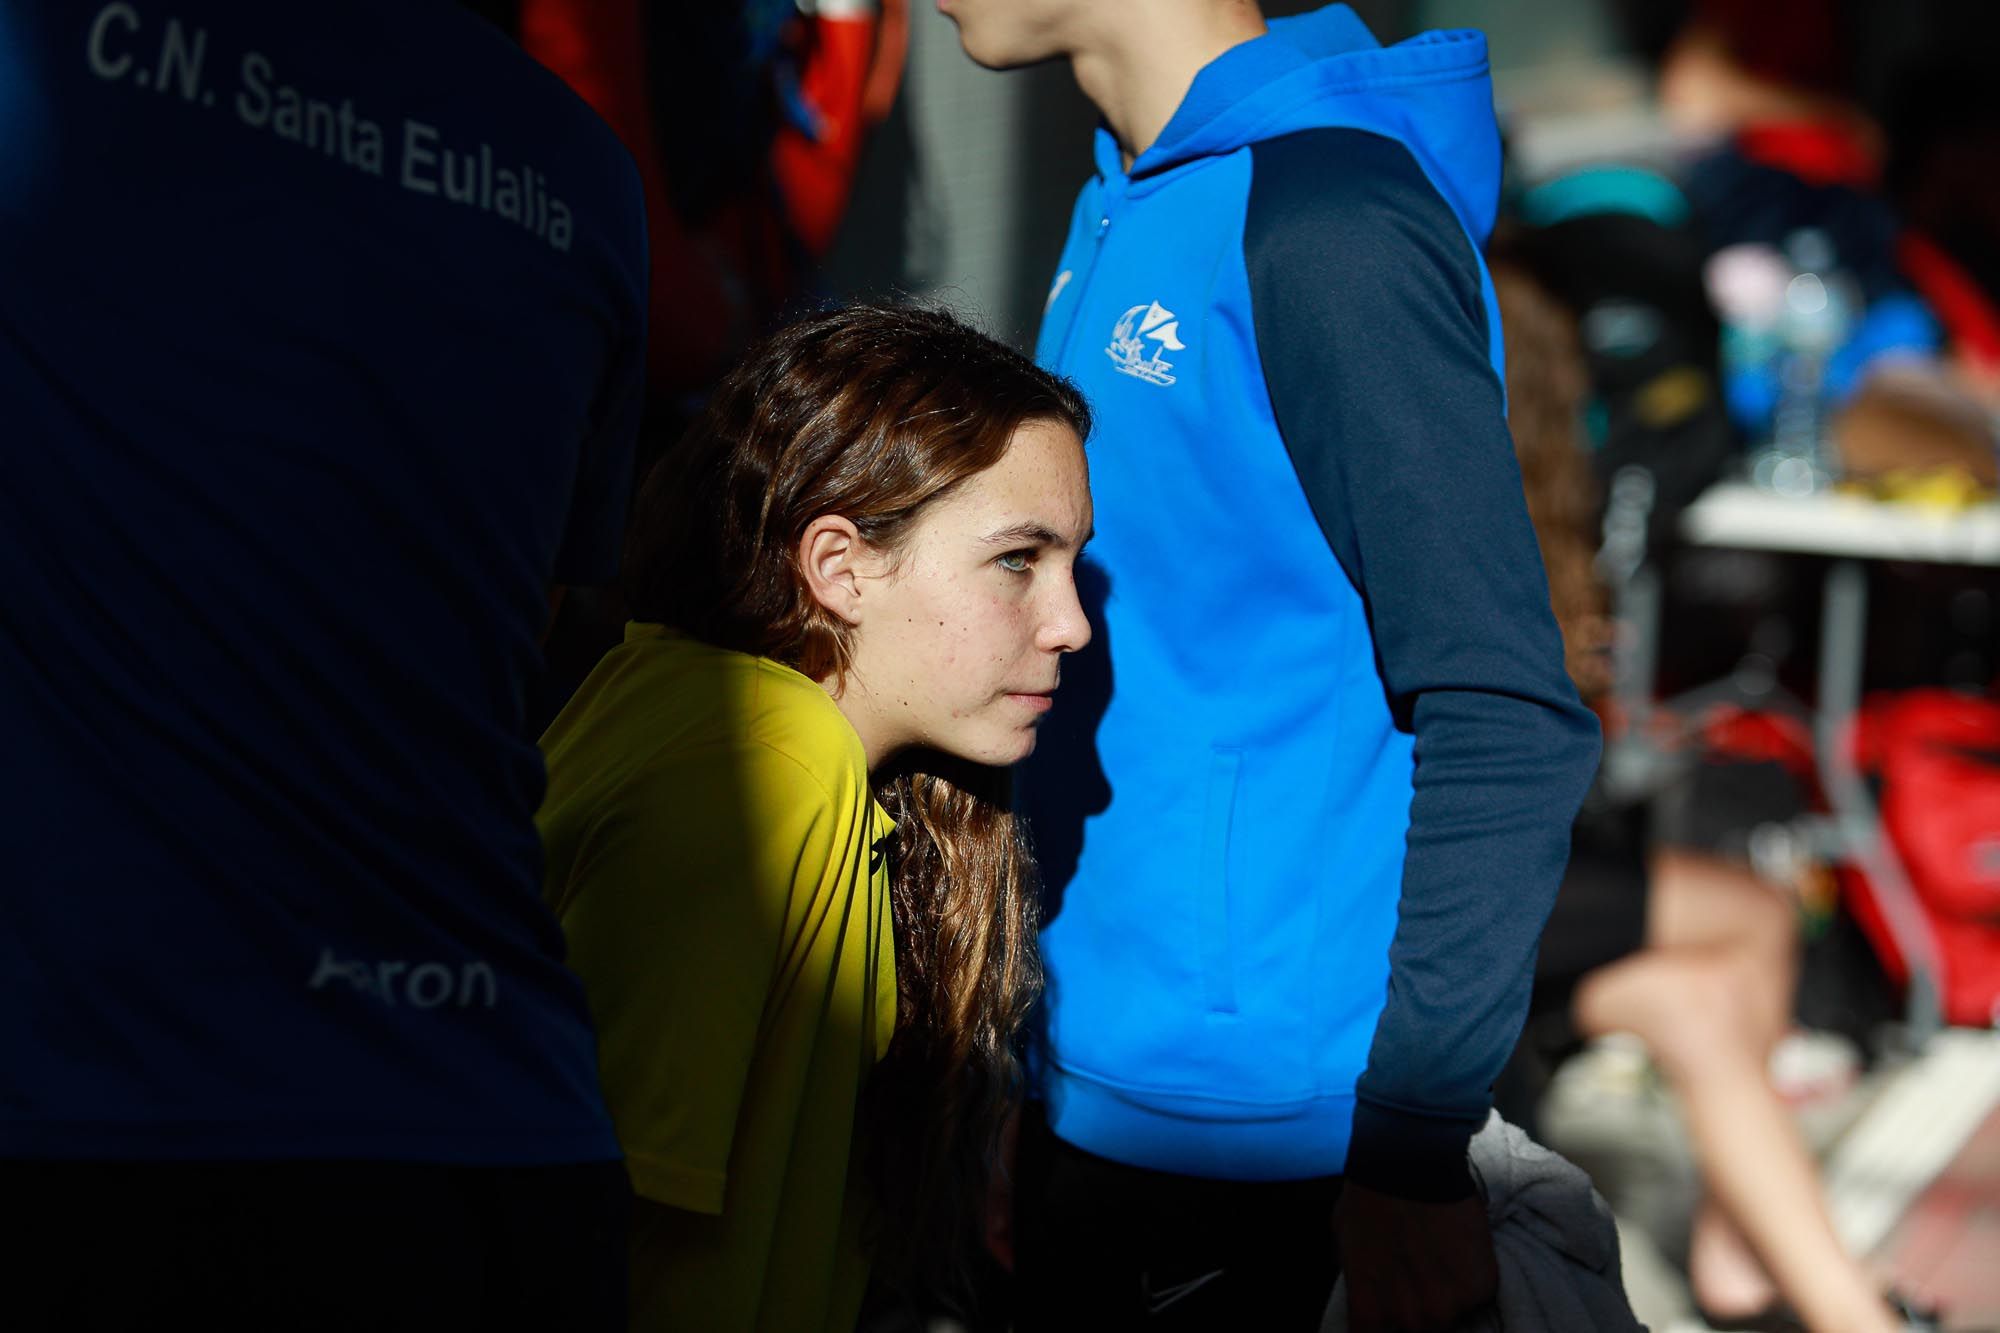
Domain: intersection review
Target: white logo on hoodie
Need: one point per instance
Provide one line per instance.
(1143, 324)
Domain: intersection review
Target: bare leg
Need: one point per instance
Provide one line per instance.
(1724, 1271)
(1706, 904)
(1709, 905)
(1709, 996)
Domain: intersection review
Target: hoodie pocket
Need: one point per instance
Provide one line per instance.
(1218, 972)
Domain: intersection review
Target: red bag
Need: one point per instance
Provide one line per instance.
(1937, 755)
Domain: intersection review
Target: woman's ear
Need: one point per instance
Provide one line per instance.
(831, 556)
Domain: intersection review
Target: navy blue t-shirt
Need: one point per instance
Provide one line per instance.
(320, 355)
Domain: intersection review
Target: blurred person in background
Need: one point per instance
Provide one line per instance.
(321, 348)
(1878, 199)
(778, 836)
(1292, 924)
(1690, 952)
(1702, 366)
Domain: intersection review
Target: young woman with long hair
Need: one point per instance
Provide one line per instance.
(1688, 951)
(777, 831)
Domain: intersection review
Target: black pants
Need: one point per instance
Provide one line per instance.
(311, 1245)
(1100, 1245)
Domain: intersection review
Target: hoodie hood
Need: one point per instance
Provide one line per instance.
(1432, 93)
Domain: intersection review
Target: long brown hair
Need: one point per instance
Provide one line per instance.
(1547, 383)
(873, 413)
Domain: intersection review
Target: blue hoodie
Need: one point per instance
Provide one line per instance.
(1303, 805)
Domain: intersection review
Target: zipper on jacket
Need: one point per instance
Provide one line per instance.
(1104, 211)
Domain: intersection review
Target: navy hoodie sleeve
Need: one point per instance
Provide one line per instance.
(1372, 329)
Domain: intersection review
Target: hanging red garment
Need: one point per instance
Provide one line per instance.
(853, 61)
(597, 48)
(716, 283)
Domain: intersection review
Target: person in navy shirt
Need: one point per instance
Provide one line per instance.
(321, 343)
(1302, 841)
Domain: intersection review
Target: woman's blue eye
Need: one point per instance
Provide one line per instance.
(1016, 562)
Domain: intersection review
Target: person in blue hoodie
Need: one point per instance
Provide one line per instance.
(1303, 807)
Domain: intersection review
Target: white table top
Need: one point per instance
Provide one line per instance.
(1736, 514)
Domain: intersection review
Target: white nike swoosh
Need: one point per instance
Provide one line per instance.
(1157, 1301)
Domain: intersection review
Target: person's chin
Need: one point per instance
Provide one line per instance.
(1024, 745)
(996, 748)
(987, 53)
(1004, 751)
(978, 54)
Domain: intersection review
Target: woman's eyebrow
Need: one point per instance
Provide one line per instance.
(1023, 534)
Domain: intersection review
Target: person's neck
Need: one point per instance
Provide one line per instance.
(1137, 76)
(857, 706)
